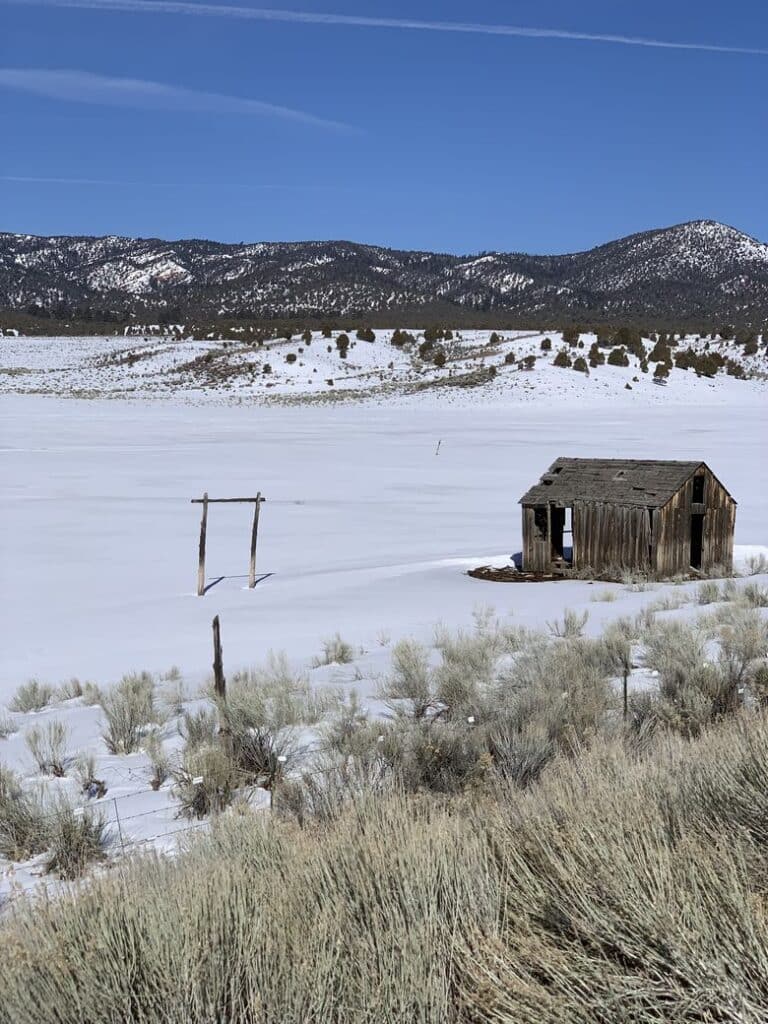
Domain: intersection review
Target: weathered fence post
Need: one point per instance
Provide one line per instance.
(201, 554)
(254, 536)
(219, 682)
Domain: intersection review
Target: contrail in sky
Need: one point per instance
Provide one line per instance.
(29, 179)
(206, 10)
(85, 87)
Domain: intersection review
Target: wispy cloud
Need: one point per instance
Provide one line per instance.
(30, 179)
(85, 87)
(362, 21)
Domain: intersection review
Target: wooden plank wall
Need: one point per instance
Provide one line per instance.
(673, 546)
(607, 536)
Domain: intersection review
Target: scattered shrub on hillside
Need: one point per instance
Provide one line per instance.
(693, 691)
(467, 670)
(159, 759)
(85, 773)
(199, 727)
(129, 707)
(629, 338)
(562, 359)
(755, 565)
(708, 592)
(172, 694)
(23, 821)
(366, 334)
(341, 730)
(546, 345)
(754, 596)
(69, 690)
(661, 352)
(618, 357)
(290, 357)
(47, 744)
(409, 688)
(7, 727)
(77, 839)
(207, 781)
(31, 696)
(335, 652)
(571, 336)
(580, 365)
(572, 625)
(91, 694)
(596, 357)
(743, 645)
(276, 696)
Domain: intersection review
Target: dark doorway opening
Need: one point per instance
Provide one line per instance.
(697, 539)
(557, 526)
(540, 522)
(560, 526)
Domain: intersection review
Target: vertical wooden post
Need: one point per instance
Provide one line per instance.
(201, 554)
(219, 682)
(254, 536)
(626, 700)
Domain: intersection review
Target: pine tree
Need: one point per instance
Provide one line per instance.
(571, 336)
(618, 357)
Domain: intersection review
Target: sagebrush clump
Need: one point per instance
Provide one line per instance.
(31, 696)
(128, 709)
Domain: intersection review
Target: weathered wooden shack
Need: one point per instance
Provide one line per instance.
(655, 516)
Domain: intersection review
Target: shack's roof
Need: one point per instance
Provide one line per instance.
(647, 482)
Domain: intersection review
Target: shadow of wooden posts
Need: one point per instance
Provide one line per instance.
(214, 582)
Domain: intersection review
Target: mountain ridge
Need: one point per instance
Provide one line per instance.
(693, 270)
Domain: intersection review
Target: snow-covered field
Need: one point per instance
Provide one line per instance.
(366, 531)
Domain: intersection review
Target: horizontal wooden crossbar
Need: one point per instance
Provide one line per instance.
(222, 501)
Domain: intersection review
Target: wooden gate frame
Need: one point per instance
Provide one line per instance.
(205, 501)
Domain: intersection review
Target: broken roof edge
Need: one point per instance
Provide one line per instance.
(533, 496)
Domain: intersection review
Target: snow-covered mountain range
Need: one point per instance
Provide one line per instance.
(698, 270)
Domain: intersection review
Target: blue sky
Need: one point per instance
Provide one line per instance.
(174, 119)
